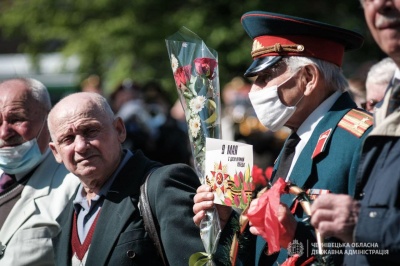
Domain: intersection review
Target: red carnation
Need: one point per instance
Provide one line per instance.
(182, 75)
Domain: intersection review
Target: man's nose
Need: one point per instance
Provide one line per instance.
(255, 87)
(6, 131)
(81, 143)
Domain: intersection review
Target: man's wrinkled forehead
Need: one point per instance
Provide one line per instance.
(74, 106)
(74, 115)
(79, 115)
(74, 126)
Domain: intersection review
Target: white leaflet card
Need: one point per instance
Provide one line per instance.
(228, 171)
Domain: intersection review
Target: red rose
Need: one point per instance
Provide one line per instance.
(268, 172)
(205, 67)
(258, 177)
(182, 75)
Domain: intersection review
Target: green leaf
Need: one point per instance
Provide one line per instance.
(199, 259)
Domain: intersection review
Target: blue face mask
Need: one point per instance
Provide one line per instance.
(21, 158)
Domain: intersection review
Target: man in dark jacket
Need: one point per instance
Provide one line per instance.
(370, 222)
(102, 224)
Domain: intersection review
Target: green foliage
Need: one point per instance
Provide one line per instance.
(126, 39)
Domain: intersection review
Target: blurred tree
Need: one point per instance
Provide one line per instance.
(120, 39)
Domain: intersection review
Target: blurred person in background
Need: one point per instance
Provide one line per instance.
(178, 114)
(378, 79)
(170, 144)
(124, 92)
(92, 84)
(146, 112)
(357, 90)
(127, 102)
(235, 107)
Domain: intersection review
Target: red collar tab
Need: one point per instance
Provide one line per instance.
(321, 144)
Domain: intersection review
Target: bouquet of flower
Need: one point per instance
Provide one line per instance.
(195, 70)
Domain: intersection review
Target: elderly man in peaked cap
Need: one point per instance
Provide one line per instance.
(299, 84)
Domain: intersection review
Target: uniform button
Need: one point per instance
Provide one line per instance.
(130, 254)
(373, 214)
(362, 195)
(266, 250)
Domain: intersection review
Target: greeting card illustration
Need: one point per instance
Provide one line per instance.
(228, 171)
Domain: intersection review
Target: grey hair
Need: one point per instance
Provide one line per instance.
(331, 73)
(381, 72)
(38, 91)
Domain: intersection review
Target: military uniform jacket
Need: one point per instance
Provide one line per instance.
(331, 166)
(120, 238)
(377, 232)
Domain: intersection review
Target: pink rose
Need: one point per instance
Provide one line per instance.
(205, 67)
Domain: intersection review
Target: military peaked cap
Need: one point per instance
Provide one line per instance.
(276, 35)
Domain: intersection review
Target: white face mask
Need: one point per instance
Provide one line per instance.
(21, 158)
(269, 109)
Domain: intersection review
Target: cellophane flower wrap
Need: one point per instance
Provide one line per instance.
(195, 70)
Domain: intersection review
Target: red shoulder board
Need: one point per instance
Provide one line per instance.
(321, 144)
(356, 122)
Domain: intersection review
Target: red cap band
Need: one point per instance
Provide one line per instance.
(292, 45)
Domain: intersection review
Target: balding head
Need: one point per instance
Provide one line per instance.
(81, 104)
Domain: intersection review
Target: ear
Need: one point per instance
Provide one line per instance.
(311, 77)
(120, 128)
(56, 154)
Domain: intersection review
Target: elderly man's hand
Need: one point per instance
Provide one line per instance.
(287, 220)
(204, 200)
(335, 215)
